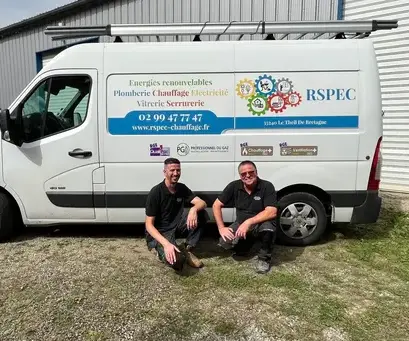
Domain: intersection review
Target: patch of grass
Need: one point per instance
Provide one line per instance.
(181, 324)
(331, 312)
(234, 277)
(351, 288)
(186, 321)
(95, 336)
(383, 321)
(226, 328)
(314, 306)
(384, 246)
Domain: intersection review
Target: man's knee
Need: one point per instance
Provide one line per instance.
(203, 217)
(227, 244)
(268, 226)
(234, 226)
(267, 232)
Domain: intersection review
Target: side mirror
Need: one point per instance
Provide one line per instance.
(11, 126)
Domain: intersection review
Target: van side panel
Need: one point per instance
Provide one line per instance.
(371, 111)
(166, 101)
(310, 115)
(295, 108)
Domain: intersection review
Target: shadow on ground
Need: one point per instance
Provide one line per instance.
(208, 248)
(120, 231)
(83, 231)
(390, 216)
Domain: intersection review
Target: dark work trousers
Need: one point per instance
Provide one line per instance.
(264, 232)
(177, 230)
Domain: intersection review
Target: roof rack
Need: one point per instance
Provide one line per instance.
(336, 28)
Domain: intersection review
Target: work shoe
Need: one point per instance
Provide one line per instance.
(191, 259)
(180, 261)
(262, 266)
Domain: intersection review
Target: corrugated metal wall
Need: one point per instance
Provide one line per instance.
(18, 60)
(392, 49)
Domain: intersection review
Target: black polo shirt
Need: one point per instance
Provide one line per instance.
(248, 205)
(167, 207)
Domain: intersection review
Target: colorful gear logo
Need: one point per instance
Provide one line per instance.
(277, 103)
(293, 99)
(258, 105)
(265, 85)
(246, 88)
(284, 86)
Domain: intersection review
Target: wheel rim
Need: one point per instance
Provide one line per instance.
(298, 220)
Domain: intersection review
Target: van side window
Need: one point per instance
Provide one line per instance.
(58, 104)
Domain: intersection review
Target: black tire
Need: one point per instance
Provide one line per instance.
(291, 234)
(7, 218)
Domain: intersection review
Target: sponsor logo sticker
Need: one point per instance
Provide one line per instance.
(299, 150)
(158, 150)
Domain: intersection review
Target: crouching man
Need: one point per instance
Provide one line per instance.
(255, 201)
(166, 219)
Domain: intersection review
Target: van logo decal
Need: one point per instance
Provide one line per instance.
(321, 95)
(189, 105)
(265, 85)
(268, 94)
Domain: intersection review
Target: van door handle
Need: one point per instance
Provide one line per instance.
(80, 153)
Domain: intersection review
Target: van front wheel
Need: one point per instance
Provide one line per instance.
(301, 219)
(6, 218)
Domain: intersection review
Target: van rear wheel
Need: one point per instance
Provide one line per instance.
(301, 219)
(6, 218)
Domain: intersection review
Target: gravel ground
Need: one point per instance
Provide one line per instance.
(89, 283)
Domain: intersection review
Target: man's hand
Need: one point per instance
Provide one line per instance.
(192, 219)
(226, 233)
(243, 229)
(170, 254)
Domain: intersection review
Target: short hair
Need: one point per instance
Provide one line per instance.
(171, 161)
(247, 162)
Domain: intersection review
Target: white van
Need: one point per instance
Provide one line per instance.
(85, 141)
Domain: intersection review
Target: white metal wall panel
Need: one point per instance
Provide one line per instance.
(18, 61)
(392, 50)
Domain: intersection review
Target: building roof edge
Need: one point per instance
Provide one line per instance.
(52, 15)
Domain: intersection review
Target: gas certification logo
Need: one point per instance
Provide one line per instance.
(184, 149)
